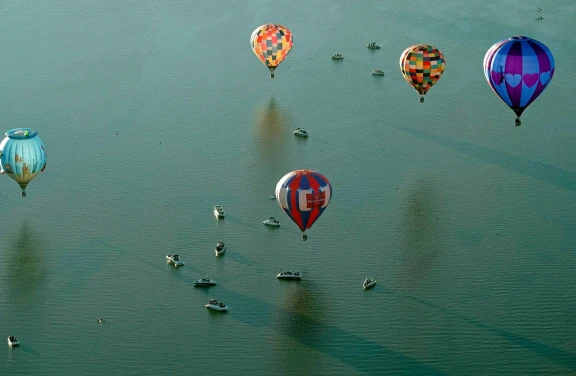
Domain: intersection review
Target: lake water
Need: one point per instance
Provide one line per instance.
(154, 111)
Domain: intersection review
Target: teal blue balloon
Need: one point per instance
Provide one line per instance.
(22, 156)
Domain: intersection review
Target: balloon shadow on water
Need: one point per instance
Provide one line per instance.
(537, 170)
(554, 354)
(301, 300)
(271, 127)
(271, 149)
(26, 269)
(419, 230)
(270, 137)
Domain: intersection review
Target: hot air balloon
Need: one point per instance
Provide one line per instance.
(271, 43)
(304, 195)
(422, 65)
(22, 156)
(518, 69)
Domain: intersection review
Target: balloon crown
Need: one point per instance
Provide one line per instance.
(21, 133)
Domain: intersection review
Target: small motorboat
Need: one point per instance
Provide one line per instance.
(377, 72)
(218, 211)
(289, 275)
(337, 57)
(216, 305)
(373, 46)
(220, 248)
(204, 282)
(12, 341)
(300, 132)
(368, 283)
(272, 197)
(271, 221)
(174, 260)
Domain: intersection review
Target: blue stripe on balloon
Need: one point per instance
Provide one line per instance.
(529, 66)
(498, 65)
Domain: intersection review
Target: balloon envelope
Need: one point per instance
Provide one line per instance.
(518, 69)
(422, 65)
(303, 195)
(271, 43)
(23, 155)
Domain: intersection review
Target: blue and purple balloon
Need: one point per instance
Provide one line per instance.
(518, 69)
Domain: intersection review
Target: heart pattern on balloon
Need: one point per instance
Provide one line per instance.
(513, 79)
(497, 77)
(530, 79)
(544, 77)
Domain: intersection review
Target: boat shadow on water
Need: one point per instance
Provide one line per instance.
(238, 257)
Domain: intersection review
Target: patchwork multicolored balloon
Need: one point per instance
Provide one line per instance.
(303, 195)
(422, 65)
(518, 69)
(271, 43)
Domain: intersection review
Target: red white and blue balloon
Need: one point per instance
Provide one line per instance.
(518, 69)
(303, 195)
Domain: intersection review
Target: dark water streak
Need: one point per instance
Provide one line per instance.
(544, 172)
(353, 350)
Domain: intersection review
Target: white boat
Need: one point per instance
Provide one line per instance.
(272, 197)
(216, 305)
(368, 283)
(300, 132)
(289, 275)
(337, 57)
(204, 282)
(378, 72)
(174, 260)
(373, 46)
(272, 222)
(218, 211)
(220, 248)
(12, 341)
